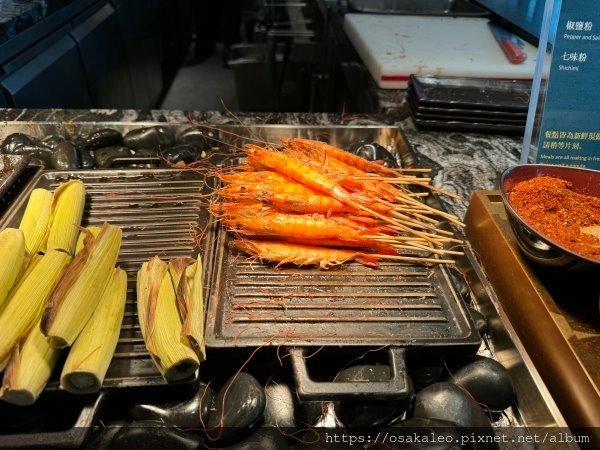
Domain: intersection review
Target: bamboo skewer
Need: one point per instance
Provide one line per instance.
(399, 215)
(438, 250)
(423, 248)
(393, 180)
(420, 181)
(451, 217)
(406, 169)
(413, 259)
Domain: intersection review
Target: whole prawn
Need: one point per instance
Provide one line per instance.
(259, 221)
(284, 200)
(340, 154)
(301, 173)
(297, 171)
(343, 173)
(302, 255)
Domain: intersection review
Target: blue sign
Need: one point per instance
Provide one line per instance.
(569, 133)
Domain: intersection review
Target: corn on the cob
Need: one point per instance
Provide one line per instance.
(12, 258)
(27, 301)
(92, 352)
(29, 368)
(75, 298)
(186, 274)
(161, 324)
(67, 209)
(83, 234)
(36, 218)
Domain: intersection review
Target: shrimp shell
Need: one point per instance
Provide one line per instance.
(340, 154)
(302, 255)
(297, 171)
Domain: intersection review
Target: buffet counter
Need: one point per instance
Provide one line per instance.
(267, 389)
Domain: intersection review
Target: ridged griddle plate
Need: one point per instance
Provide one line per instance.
(160, 212)
(256, 304)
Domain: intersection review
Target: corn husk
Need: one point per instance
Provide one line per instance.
(29, 368)
(28, 265)
(90, 356)
(160, 322)
(83, 234)
(12, 259)
(27, 301)
(186, 274)
(75, 298)
(36, 219)
(67, 210)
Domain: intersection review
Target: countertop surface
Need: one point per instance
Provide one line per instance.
(18, 15)
(461, 162)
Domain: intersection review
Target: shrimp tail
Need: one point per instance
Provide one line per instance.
(367, 260)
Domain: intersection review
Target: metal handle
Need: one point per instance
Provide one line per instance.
(115, 160)
(74, 437)
(396, 388)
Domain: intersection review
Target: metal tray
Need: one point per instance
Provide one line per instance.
(159, 212)
(253, 304)
(477, 93)
(11, 166)
(414, 7)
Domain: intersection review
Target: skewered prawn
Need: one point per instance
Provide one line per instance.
(349, 176)
(297, 171)
(302, 255)
(284, 200)
(287, 195)
(340, 154)
(265, 223)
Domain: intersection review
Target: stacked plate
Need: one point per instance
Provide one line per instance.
(469, 104)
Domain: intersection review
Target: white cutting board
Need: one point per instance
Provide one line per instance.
(394, 47)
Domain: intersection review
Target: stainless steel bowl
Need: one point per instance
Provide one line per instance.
(536, 246)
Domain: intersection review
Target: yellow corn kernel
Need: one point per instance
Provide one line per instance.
(67, 210)
(35, 220)
(27, 301)
(29, 368)
(90, 356)
(160, 322)
(186, 274)
(12, 258)
(75, 298)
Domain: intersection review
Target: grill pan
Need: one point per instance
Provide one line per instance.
(158, 212)
(398, 305)
(254, 304)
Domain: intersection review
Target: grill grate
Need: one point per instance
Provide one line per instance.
(255, 304)
(159, 211)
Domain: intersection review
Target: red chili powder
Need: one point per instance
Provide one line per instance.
(552, 207)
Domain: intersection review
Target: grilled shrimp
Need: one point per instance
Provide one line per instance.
(279, 226)
(302, 255)
(329, 150)
(343, 172)
(297, 171)
(285, 201)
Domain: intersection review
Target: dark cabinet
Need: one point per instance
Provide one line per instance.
(96, 53)
(101, 49)
(3, 100)
(51, 76)
(139, 25)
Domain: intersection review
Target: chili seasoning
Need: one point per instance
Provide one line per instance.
(553, 208)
